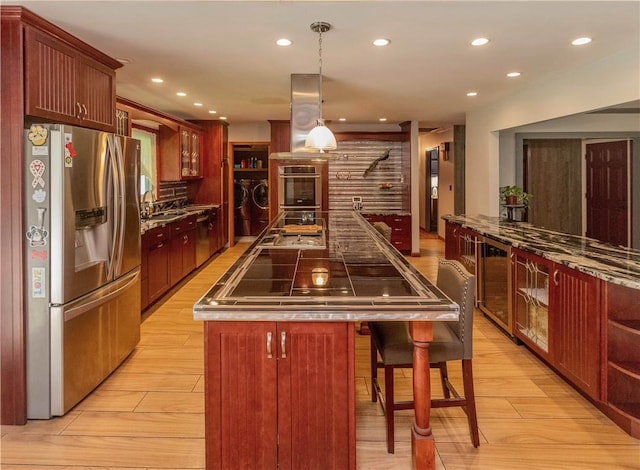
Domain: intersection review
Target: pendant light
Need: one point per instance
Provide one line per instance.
(320, 138)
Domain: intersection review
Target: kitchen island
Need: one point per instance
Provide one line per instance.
(279, 342)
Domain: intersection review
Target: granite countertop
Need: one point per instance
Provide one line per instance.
(173, 215)
(615, 264)
(366, 278)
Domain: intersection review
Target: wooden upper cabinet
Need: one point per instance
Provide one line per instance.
(280, 136)
(180, 153)
(64, 85)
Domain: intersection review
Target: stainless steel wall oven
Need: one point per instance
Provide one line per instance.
(300, 187)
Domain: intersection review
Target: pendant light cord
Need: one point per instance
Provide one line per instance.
(320, 67)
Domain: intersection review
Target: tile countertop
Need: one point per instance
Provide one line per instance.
(367, 278)
(615, 264)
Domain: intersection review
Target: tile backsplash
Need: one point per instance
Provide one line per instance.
(384, 188)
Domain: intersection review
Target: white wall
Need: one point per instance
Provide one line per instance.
(608, 82)
(250, 132)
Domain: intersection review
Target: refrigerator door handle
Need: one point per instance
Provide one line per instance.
(115, 210)
(121, 201)
(101, 296)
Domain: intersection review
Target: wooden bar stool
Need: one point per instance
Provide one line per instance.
(451, 341)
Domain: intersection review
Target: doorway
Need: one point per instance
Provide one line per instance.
(607, 191)
(431, 189)
(250, 188)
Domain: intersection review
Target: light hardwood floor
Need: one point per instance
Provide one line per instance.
(149, 413)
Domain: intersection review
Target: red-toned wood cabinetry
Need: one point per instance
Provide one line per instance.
(155, 263)
(180, 153)
(278, 395)
(452, 241)
(65, 85)
(182, 255)
(621, 384)
(575, 304)
(168, 255)
(280, 136)
(557, 314)
(400, 229)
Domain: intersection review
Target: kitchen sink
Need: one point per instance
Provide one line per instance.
(295, 242)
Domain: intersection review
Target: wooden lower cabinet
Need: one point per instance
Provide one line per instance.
(621, 381)
(575, 303)
(155, 263)
(557, 314)
(279, 395)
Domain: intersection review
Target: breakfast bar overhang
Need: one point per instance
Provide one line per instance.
(279, 342)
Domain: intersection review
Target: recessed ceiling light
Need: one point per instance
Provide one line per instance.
(157, 80)
(197, 104)
(124, 61)
(513, 74)
(284, 42)
(472, 93)
(382, 119)
(223, 117)
(342, 119)
(211, 111)
(181, 93)
(479, 42)
(381, 42)
(581, 41)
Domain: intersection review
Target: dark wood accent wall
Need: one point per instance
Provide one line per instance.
(459, 156)
(13, 403)
(280, 136)
(554, 179)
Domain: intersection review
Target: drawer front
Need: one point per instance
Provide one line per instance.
(151, 238)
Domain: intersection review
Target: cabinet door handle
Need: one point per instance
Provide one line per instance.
(79, 110)
(283, 344)
(555, 278)
(185, 240)
(160, 245)
(269, 355)
(84, 108)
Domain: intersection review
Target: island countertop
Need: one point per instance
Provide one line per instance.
(615, 264)
(358, 276)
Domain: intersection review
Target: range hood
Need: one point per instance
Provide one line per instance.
(305, 112)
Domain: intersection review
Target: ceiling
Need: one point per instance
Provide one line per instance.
(223, 55)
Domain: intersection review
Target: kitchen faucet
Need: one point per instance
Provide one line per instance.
(146, 207)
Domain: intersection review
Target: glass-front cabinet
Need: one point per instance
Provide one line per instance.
(189, 152)
(531, 301)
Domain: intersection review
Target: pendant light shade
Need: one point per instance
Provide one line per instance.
(320, 138)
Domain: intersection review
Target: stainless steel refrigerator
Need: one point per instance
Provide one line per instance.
(82, 257)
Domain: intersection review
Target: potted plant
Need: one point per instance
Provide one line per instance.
(514, 195)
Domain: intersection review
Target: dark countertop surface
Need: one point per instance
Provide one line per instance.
(615, 264)
(365, 277)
